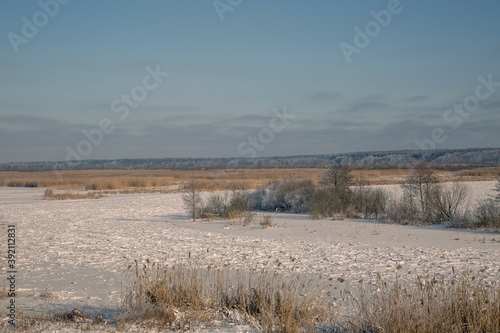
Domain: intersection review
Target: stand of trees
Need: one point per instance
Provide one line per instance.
(376, 159)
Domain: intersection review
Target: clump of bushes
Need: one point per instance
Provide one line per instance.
(217, 205)
(424, 201)
(371, 203)
(225, 205)
(488, 215)
(333, 197)
(485, 216)
(283, 196)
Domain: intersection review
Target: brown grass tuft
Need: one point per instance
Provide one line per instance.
(175, 296)
(266, 222)
(464, 305)
(50, 195)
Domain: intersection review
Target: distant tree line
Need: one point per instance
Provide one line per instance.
(375, 159)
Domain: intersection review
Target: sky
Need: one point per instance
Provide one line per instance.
(245, 78)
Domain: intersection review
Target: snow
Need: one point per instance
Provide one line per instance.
(77, 249)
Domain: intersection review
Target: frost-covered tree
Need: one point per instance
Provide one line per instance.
(339, 177)
(192, 199)
(419, 188)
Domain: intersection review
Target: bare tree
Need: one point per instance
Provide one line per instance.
(419, 186)
(448, 201)
(192, 199)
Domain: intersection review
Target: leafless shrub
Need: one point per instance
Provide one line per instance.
(321, 207)
(465, 220)
(425, 201)
(248, 219)
(216, 204)
(370, 202)
(330, 202)
(266, 222)
(226, 205)
(447, 201)
(192, 200)
(401, 211)
(418, 190)
(488, 216)
(238, 203)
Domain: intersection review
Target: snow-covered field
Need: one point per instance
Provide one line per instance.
(77, 249)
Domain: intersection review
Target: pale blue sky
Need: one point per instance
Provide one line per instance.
(225, 77)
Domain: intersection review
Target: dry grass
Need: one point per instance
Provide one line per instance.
(394, 176)
(71, 321)
(139, 190)
(431, 305)
(177, 296)
(266, 222)
(216, 179)
(50, 195)
(122, 179)
(187, 296)
(490, 173)
(46, 294)
(247, 219)
(80, 179)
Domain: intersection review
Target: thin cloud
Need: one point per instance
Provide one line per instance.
(324, 96)
(138, 64)
(368, 103)
(492, 105)
(30, 121)
(418, 98)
